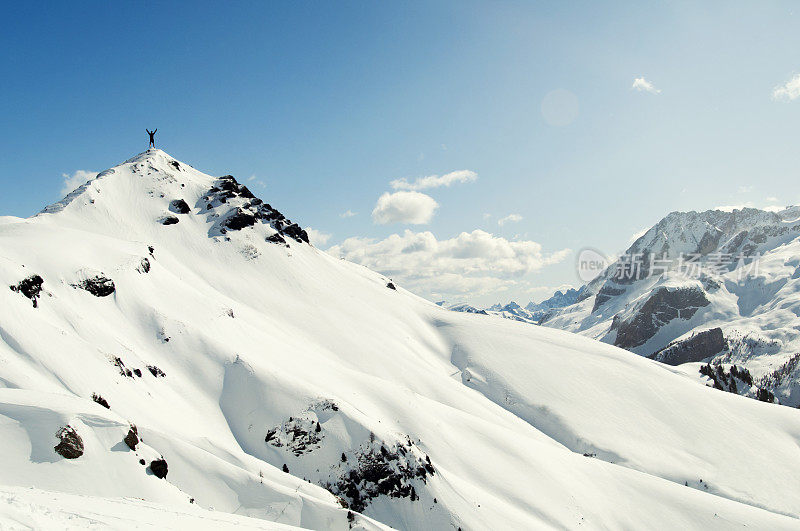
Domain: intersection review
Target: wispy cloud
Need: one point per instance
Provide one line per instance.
(435, 181)
(511, 218)
(640, 84)
(788, 91)
(255, 180)
(71, 182)
(348, 214)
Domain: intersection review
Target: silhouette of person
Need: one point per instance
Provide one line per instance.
(152, 140)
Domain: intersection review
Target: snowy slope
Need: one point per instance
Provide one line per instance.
(25, 508)
(236, 353)
(720, 287)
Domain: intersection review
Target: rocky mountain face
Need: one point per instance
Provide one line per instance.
(714, 287)
(171, 344)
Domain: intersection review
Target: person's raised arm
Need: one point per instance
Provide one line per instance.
(154, 130)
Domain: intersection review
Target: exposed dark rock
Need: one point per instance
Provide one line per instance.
(159, 468)
(276, 238)
(137, 372)
(661, 307)
(31, 288)
(132, 438)
(152, 250)
(174, 164)
(605, 294)
(70, 445)
(179, 206)
(98, 286)
(123, 370)
(295, 232)
(696, 348)
(285, 468)
(169, 220)
(144, 266)
(383, 472)
(239, 220)
(251, 211)
(297, 435)
(155, 371)
(709, 242)
(100, 400)
(142, 462)
(391, 285)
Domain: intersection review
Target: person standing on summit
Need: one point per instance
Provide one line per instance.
(152, 133)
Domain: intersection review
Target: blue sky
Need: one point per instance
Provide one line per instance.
(321, 105)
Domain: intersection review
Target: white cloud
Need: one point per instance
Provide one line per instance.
(511, 218)
(472, 263)
(745, 189)
(788, 91)
(71, 182)
(413, 208)
(642, 85)
(348, 214)
(317, 237)
(772, 199)
(435, 181)
(487, 216)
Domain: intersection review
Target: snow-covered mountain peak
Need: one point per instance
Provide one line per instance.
(150, 193)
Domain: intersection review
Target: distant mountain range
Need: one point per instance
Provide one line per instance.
(713, 291)
(531, 313)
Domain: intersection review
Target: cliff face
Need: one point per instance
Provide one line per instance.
(695, 272)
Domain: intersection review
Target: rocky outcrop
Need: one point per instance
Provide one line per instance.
(662, 306)
(155, 371)
(100, 400)
(179, 206)
(144, 266)
(250, 210)
(159, 468)
(70, 444)
(382, 472)
(606, 293)
(99, 286)
(31, 288)
(698, 347)
(132, 438)
(297, 435)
